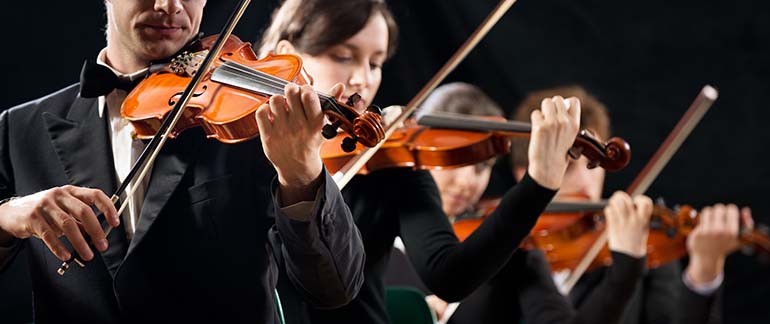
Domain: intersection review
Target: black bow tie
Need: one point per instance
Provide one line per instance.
(98, 80)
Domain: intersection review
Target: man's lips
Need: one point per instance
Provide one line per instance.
(162, 29)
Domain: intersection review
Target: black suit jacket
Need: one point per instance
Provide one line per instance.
(209, 241)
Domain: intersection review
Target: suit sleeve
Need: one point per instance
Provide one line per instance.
(450, 269)
(323, 255)
(541, 301)
(608, 301)
(661, 291)
(8, 252)
(698, 308)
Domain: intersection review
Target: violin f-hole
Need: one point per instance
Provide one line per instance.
(172, 102)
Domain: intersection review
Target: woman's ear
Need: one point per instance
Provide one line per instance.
(285, 47)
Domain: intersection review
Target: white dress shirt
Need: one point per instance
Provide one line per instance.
(125, 150)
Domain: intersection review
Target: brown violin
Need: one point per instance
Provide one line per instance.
(568, 229)
(450, 140)
(225, 101)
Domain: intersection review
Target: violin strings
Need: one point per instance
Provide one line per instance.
(264, 79)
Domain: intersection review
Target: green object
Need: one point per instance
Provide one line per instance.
(407, 305)
(278, 306)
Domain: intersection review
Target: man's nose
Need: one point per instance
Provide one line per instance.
(170, 7)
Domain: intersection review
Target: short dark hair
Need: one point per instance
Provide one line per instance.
(313, 26)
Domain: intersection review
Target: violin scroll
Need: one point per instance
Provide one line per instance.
(612, 155)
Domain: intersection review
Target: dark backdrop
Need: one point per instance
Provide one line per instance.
(645, 60)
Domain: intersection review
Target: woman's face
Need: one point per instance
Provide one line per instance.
(356, 62)
(461, 188)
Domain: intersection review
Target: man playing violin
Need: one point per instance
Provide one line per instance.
(206, 234)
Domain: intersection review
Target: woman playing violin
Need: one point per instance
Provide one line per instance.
(524, 289)
(526, 278)
(348, 42)
(663, 295)
(196, 243)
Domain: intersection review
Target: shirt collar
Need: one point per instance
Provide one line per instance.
(101, 59)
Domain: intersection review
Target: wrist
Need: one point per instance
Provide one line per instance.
(300, 186)
(300, 177)
(5, 238)
(544, 178)
(704, 269)
(634, 252)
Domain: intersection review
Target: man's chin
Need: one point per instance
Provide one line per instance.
(162, 49)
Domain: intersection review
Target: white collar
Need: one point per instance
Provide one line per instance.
(102, 60)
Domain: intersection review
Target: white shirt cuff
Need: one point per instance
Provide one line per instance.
(703, 289)
(303, 210)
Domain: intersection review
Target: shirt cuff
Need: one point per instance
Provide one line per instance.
(703, 289)
(303, 210)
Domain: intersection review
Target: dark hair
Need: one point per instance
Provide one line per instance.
(313, 26)
(593, 116)
(461, 98)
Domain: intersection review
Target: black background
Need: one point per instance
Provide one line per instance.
(645, 60)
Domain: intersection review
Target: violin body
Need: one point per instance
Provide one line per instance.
(228, 96)
(565, 237)
(213, 104)
(421, 147)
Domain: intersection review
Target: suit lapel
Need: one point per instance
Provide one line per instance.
(81, 141)
(170, 166)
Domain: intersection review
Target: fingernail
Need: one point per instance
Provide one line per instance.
(102, 245)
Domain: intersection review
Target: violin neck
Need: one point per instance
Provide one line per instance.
(575, 206)
(474, 123)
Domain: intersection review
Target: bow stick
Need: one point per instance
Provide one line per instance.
(654, 166)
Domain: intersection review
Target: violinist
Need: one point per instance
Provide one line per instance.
(523, 290)
(205, 235)
(664, 294)
(348, 42)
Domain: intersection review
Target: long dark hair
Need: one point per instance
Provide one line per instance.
(313, 26)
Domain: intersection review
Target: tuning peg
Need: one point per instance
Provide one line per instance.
(329, 131)
(348, 144)
(655, 224)
(374, 109)
(353, 99)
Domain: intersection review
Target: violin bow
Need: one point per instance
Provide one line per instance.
(351, 168)
(647, 176)
(145, 161)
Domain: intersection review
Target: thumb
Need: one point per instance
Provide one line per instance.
(574, 111)
(337, 90)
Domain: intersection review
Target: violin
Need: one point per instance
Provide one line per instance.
(451, 140)
(568, 229)
(422, 147)
(225, 102)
